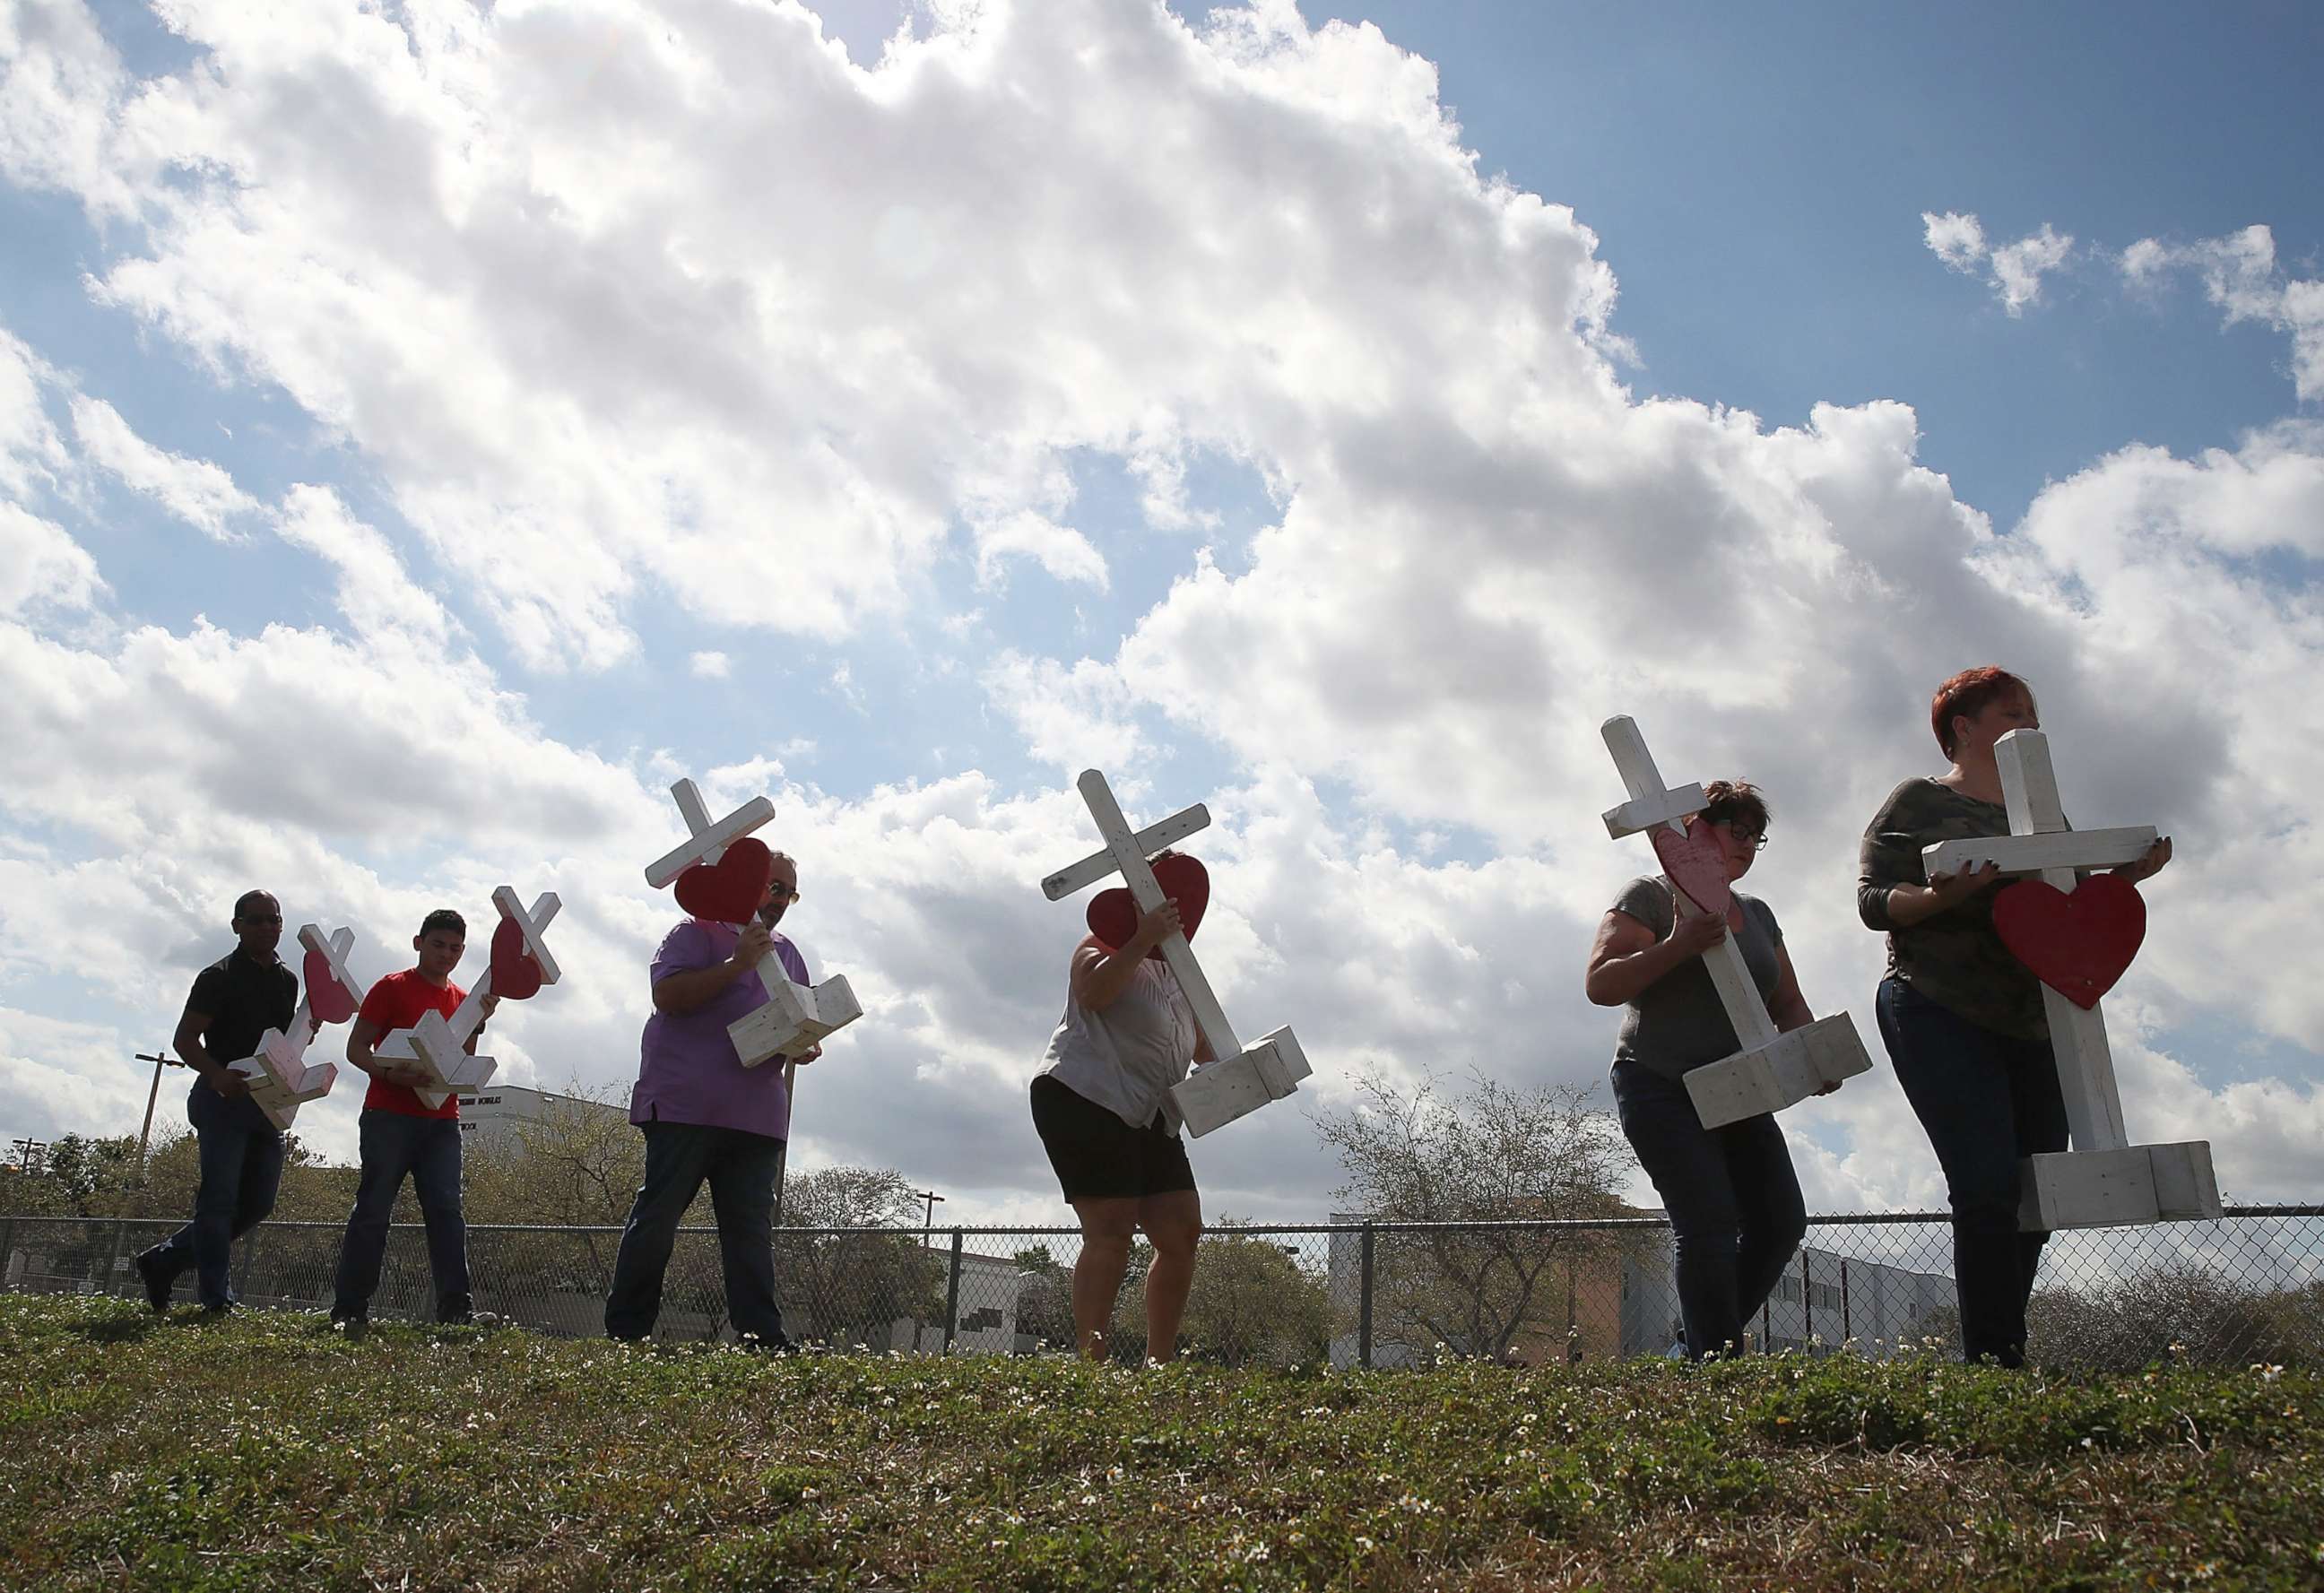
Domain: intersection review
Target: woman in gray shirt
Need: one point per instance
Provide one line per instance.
(1734, 1209)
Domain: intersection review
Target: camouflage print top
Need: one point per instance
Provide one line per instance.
(1954, 957)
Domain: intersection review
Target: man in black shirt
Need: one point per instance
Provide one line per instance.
(235, 1002)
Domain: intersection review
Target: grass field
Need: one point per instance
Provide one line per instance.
(266, 1452)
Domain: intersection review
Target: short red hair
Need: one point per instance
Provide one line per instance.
(1966, 695)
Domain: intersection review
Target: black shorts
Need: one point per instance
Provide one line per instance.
(1098, 1157)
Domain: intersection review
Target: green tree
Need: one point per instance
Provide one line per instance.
(1253, 1303)
(1044, 1298)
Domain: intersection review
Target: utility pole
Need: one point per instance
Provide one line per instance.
(28, 1154)
(160, 1059)
(929, 1224)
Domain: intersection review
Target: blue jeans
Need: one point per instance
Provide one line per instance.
(1988, 1102)
(428, 1148)
(740, 1168)
(241, 1170)
(1734, 1209)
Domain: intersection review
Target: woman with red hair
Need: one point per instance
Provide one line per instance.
(1962, 1017)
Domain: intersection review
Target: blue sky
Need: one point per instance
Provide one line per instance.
(1406, 499)
(1757, 176)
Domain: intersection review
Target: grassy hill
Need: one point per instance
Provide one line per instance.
(266, 1451)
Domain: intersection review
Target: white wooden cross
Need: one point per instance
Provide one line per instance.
(2105, 1180)
(1237, 1081)
(796, 1017)
(438, 1046)
(1772, 1070)
(281, 1079)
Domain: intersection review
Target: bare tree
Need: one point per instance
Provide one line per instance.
(577, 1162)
(1492, 1154)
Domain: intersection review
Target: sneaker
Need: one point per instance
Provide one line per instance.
(212, 1313)
(353, 1324)
(158, 1283)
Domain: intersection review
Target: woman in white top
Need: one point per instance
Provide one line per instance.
(1099, 1105)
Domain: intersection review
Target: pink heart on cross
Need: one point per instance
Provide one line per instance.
(1696, 863)
(515, 975)
(328, 999)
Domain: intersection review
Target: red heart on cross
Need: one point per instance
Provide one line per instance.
(328, 999)
(2077, 942)
(516, 977)
(1696, 863)
(729, 891)
(1113, 914)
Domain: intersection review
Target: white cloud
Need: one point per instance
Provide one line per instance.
(2015, 270)
(194, 490)
(2018, 268)
(379, 598)
(2240, 275)
(61, 93)
(40, 563)
(33, 457)
(707, 665)
(1957, 239)
(1074, 718)
(1061, 550)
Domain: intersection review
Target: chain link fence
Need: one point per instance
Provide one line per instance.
(2247, 1288)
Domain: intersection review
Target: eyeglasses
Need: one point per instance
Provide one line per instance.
(782, 894)
(1755, 839)
(258, 918)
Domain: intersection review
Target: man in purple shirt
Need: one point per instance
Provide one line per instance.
(706, 1117)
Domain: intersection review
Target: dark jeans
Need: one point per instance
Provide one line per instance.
(1988, 1102)
(241, 1170)
(428, 1148)
(740, 1168)
(1734, 1202)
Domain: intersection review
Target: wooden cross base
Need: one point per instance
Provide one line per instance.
(796, 1019)
(1801, 1063)
(438, 1048)
(281, 1079)
(1218, 1092)
(2115, 1188)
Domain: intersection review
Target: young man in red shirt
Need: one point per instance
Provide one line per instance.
(400, 1134)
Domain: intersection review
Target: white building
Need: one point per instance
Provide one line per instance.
(491, 1116)
(985, 1320)
(1626, 1304)
(1823, 1300)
